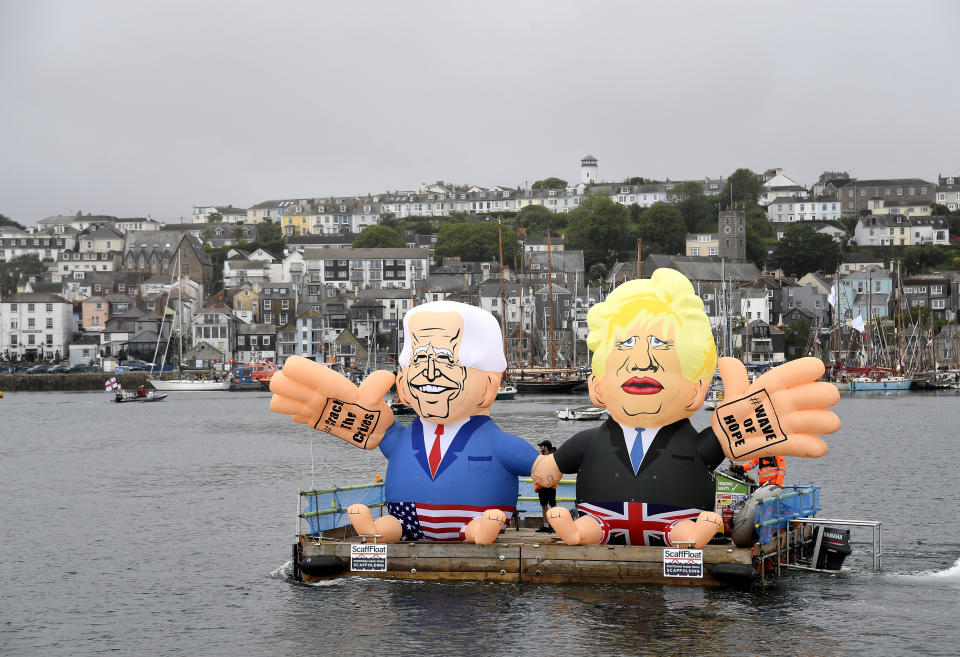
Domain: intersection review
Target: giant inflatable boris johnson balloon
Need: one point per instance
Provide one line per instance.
(644, 475)
(452, 473)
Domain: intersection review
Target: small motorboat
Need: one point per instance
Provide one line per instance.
(506, 391)
(152, 396)
(582, 413)
(399, 408)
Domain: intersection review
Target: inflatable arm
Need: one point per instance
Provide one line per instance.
(316, 395)
(779, 414)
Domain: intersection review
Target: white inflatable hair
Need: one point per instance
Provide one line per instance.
(482, 344)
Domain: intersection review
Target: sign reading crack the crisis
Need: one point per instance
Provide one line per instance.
(368, 557)
(348, 421)
(750, 424)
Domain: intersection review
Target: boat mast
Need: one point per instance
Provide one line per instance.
(180, 305)
(533, 311)
(553, 354)
(520, 345)
(503, 296)
(898, 322)
(870, 318)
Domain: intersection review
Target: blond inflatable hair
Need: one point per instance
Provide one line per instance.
(666, 297)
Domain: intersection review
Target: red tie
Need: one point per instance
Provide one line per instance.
(435, 452)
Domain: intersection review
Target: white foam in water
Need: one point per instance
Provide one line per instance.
(952, 573)
(286, 572)
(949, 575)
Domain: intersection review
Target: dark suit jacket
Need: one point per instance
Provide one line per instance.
(676, 470)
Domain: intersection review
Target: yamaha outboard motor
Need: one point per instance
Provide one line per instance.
(834, 547)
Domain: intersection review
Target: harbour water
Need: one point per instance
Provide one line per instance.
(165, 529)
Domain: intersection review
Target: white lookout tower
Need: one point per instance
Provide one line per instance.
(588, 170)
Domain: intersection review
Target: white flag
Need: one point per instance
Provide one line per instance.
(832, 298)
(111, 384)
(858, 324)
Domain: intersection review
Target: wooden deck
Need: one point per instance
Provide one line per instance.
(522, 555)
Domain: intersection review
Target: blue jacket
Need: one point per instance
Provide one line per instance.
(480, 468)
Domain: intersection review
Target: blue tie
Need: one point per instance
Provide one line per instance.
(636, 452)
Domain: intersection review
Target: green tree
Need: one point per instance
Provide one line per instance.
(379, 236)
(919, 259)
(7, 221)
(698, 210)
(550, 183)
(269, 238)
(796, 336)
(477, 243)
(599, 227)
(803, 250)
(214, 218)
(10, 272)
(662, 229)
(746, 188)
(538, 220)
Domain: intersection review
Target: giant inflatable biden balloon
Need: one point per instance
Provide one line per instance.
(644, 475)
(452, 474)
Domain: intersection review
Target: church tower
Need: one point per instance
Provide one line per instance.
(588, 170)
(733, 235)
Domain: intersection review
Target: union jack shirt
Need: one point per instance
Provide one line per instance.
(437, 522)
(636, 523)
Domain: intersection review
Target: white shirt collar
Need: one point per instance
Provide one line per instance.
(449, 433)
(630, 436)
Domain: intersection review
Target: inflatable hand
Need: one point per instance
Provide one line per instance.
(778, 414)
(316, 395)
(696, 533)
(545, 472)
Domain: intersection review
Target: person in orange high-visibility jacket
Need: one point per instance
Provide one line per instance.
(770, 469)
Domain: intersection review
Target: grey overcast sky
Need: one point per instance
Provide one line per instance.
(150, 107)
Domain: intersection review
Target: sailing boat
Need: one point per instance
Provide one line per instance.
(180, 383)
(541, 378)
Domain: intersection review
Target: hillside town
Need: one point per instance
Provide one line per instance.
(856, 271)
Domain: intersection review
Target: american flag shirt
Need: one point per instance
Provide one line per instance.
(437, 522)
(636, 523)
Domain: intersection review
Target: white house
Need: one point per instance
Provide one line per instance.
(35, 326)
(786, 209)
(778, 185)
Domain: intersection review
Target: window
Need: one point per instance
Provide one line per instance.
(30, 308)
(49, 322)
(31, 323)
(13, 341)
(49, 339)
(694, 251)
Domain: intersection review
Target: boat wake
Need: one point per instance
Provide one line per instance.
(949, 575)
(285, 572)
